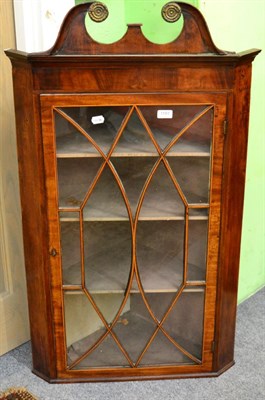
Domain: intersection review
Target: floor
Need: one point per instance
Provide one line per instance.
(244, 381)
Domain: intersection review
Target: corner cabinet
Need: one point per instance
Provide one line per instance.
(132, 160)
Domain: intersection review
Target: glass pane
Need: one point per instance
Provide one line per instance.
(135, 287)
(69, 216)
(160, 254)
(185, 321)
(160, 302)
(167, 121)
(135, 139)
(107, 354)
(75, 176)
(107, 248)
(135, 326)
(197, 250)
(161, 200)
(107, 236)
(106, 201)
(192, 174)
(71, 253)
(133, 173)
(198, 213)
(70, 141)
(101, 123)
(163, 352)
(82, 324)
(197, 139)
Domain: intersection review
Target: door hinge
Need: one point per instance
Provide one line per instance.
(225, 127)
(213, 346)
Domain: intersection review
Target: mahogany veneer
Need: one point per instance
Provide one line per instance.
(132, 162)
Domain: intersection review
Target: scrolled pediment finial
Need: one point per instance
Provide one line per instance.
(171, 12)
(98, 12)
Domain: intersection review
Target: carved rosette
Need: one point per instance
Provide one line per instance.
(98, 12)
(171, 12)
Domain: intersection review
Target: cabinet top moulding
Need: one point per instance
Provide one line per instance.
(191, 62)
(193, 45)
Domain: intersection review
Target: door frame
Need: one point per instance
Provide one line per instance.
(48, 102)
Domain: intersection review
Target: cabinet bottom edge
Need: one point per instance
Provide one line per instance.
(91, 379)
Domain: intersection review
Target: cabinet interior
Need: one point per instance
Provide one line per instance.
(133, 206)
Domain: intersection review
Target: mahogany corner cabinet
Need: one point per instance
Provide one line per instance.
(132, 161)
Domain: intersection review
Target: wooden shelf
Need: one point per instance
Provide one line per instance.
(198, 215)
(134, 140)
(109, 354)
(197, 288)
(162, 201)
(135, 327)
(108, 255)
(77, 147)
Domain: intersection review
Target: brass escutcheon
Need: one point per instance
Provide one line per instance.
(171, 12)
(53, 252)
(98, 12)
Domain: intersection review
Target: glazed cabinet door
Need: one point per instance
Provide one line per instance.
(134, 191)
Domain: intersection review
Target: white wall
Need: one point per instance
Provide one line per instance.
(38, 22)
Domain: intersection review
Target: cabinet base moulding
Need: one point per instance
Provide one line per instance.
(125, 378)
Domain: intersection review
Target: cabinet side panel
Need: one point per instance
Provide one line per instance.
(34, 218)
(232, 211)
